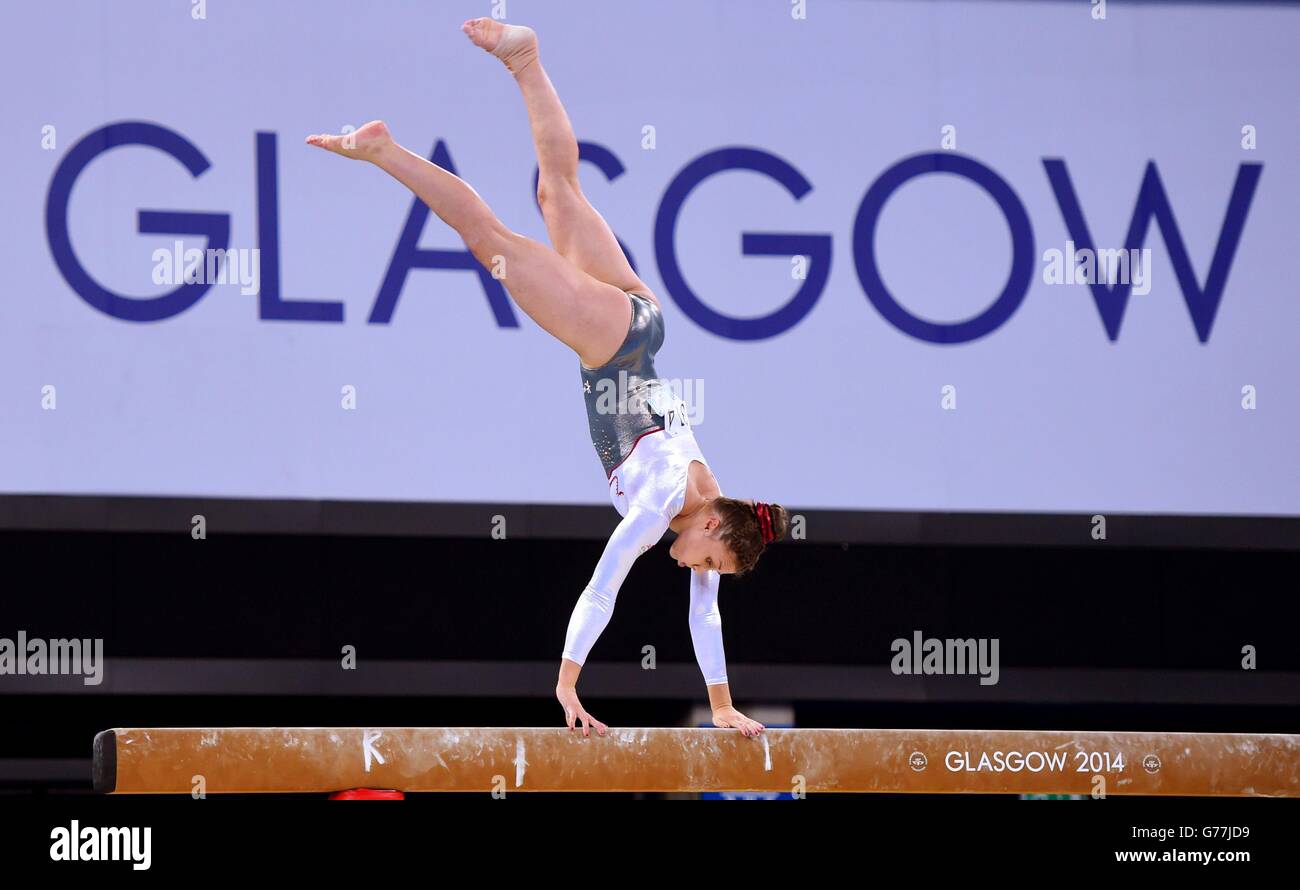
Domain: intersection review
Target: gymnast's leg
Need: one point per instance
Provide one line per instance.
(588, 315)
(577, 231)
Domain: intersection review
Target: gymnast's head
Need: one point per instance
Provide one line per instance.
(729, 535)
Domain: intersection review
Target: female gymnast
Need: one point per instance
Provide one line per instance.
(586, 295)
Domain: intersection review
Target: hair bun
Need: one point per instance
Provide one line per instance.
(780, 521)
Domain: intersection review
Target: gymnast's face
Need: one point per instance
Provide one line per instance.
(698, 548)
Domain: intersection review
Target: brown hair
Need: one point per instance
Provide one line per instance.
(747, 526)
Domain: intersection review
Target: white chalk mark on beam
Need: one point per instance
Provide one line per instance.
(520, 762)
(368, 745)
(767, 755)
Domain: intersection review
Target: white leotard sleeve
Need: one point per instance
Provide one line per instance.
(706, 627)
(640, 530)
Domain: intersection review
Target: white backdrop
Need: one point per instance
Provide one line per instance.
(842, 409)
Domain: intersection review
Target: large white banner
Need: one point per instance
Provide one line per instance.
(934, 256)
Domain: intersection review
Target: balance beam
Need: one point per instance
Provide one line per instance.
(949, 761)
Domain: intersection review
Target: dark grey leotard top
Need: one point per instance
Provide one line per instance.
(616, 391)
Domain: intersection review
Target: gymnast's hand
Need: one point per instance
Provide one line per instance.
(729, 718)
(573, 710)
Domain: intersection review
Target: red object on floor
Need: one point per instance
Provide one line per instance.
(367, 794)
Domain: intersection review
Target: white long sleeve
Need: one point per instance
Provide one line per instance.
(706, 627)
(639, 531)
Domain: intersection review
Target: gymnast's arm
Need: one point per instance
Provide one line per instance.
(706, 636)
(638, 532)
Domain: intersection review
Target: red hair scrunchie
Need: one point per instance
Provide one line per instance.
(764, 513)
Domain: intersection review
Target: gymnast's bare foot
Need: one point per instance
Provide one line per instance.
(364, 144)
(516, 45)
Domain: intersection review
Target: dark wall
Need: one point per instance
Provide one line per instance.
(250, 596)
(266, 596)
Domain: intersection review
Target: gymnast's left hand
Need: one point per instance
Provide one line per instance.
(730, 718)
(574, 712)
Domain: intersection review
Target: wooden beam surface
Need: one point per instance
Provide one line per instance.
(470, 759)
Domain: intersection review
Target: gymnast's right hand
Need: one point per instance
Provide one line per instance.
(573, 711)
